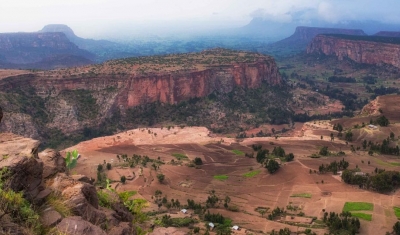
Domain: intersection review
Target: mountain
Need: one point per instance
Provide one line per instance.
(373, 50)
(103, 49)
(303, 35)
(387, 34)
(35, 50)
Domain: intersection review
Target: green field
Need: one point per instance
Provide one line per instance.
(251, 173)
(180, 156)
(304, 195)
(238, 152)
(363, 216)
(221, 177)
(397, 211)
(358, 206)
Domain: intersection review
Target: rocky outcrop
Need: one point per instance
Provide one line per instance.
(303, 35)
(115, 94)
(387, 34)
(39, 175)
(32, 49)
(1, 114)
(365, 50)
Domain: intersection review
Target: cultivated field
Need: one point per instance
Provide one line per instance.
(249, 186)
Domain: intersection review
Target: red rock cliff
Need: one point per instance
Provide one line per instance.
(361, 51)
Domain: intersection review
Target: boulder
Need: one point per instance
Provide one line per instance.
(19, 156)
(122, 229)
(50, 217)
(77, 225)
(83, 178)
(53, 162)
(121, 213)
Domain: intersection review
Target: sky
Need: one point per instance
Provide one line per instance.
(101, 18)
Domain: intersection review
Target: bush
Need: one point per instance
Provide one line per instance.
(108, 166)
(198, 161)
(160, 177)
(123, 179)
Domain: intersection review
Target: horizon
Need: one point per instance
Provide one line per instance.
(125, 19)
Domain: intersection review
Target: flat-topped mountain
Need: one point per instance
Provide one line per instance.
(35, 50)
(103, 49)
(116, 92)
(361, 49)
(387, 34)
(303, 35)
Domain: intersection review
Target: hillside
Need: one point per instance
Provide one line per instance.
(213, 88)
(103, 49)
(35, 50)
(373, 50)
(303, 35)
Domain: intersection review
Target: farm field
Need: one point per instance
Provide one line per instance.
(296, 186)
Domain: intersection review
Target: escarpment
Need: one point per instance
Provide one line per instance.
(72, 99)
(361, 49)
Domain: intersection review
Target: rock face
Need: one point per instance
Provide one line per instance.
(115, 94)
(304, 35)
(387, 34)
(360, 49)
(33, 49)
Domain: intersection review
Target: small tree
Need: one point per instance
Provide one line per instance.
(71, 159)
(160, 177)
(108, 166)
(99, 167)
(272, 166)
(123, 179)
(198, 161)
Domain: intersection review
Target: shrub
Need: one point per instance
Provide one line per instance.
(123, 179)
(160, 177)
(108, 166)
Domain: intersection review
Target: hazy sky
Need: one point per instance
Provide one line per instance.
(94, 18)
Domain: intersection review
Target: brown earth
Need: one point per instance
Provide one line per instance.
(262, 190)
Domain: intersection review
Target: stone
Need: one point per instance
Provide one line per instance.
(40, 199)
(77, 225)
(53, 162)
(122, 229)
(50, 217)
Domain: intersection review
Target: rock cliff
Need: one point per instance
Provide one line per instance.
(303, 35)
(30, 49)
(387, 34)
(363, 49)
(70, 100)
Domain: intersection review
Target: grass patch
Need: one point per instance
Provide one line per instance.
(124, 196)
(303, 195)
(59, 205)
(251, 173)
(358, 206)
(238, 152)
(180, 156)
(397, 211)
(367, 217)
(221, 177)
(394, 163)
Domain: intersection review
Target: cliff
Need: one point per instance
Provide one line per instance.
(28, 49)
(303, 35)
(387, 34)
(70, 100)
(363, 49)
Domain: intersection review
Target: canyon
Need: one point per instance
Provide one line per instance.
(366, 50)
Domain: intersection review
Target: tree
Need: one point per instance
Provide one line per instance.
(289, 157)
(396, 228)
(272, 166)
(123, 179)
(324, 151)
(198, 161)
(108, 166)
(160, 177)
(349, 136)
(71, 159)
(99, 167)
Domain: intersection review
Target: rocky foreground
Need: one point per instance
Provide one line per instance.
(63, 203)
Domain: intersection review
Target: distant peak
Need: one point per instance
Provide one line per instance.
(52, 28)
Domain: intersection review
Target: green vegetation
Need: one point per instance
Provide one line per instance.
(342, 223)
(363, 216)
(304, 195)
(397, 211)
(238, 152)
(86, 106)
(71, 160)
(382, 181)
(180, 156)
(358, 206)
(251, 174)
(124, 196)
(160, 178)
(221, 177)
(167, 221)
(59, 205)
